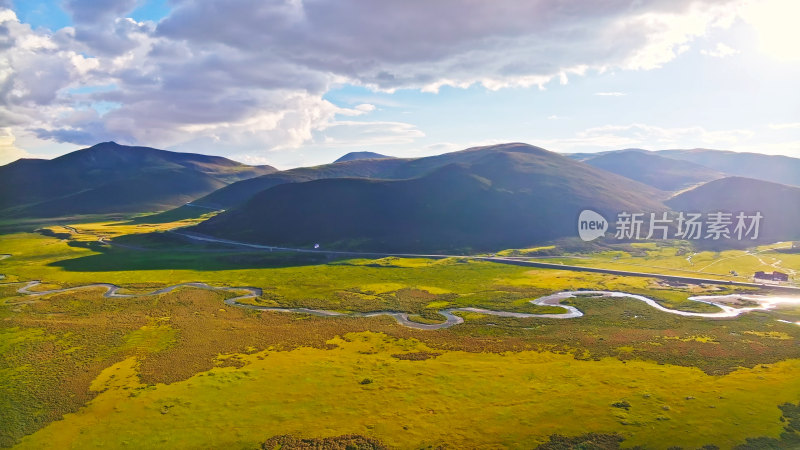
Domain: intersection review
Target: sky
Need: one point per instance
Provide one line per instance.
(301, 82)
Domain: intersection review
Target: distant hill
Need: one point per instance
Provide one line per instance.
(775, 168)
(654, 170)
(386, 169)
(241, 191)
(111, 178)
(484, 198)
(352, 156)
(779, 204)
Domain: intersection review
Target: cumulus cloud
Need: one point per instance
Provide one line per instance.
(720, 51)
(392, 45)
(251, 74)
(9, 152)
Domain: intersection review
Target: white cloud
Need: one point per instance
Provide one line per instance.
(358, 110)
(9, 152)
(365, 107)
(720, 51)
(610, 94)
(256, 82)
(784, 126)
(664, 33)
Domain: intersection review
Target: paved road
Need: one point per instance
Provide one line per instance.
(495, 259)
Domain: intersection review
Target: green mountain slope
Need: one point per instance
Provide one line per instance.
(387, 169)
(778, 204)
(239, 192)
(479, 199)
(109, 177)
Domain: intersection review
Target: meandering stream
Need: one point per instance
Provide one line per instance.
(726, 311)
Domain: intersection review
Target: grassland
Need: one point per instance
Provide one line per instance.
(295, 280)
(458, 398)
(677, 258)
(189, 371)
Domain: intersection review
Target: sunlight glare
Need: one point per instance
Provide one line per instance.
(775, 22)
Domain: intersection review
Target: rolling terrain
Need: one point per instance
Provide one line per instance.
(113, 178)
(483, 198)
(778, 204)
(775, 168)
(241, 191)
(85, 367)
(654, 170)
(374, 168)
(704, 165)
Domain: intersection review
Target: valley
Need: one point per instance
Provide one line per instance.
(399, 225)
(169, 318)
(442, 311)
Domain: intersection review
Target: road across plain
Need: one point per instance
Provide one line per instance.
(496, 259)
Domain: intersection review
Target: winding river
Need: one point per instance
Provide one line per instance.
(726, 311)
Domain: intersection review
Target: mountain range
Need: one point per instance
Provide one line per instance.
(482, 198)
(113, 178)
(653, 169)
(703, 164)
(477, 199)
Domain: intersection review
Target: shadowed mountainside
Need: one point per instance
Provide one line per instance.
(778, 204)
(109, 178)
(488, 197)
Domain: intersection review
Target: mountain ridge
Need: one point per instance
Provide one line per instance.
(654, 170)
(479, 198)
(352, 156)
(105, 178)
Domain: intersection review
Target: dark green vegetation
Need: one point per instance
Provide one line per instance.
(346, 442)
(112, 178)
(589, 441)
(352, 156)
(789, 438)
(653, 169)
(479, 199)
(778, 204)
